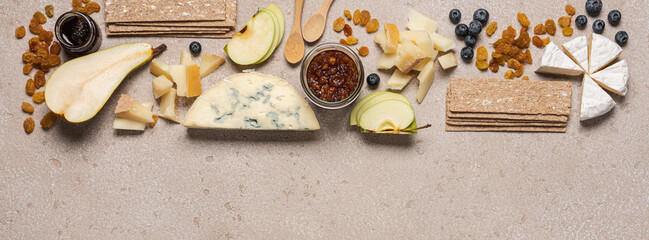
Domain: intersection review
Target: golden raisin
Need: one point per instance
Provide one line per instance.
(365, 17)
(493, 65)
(351, 40)
(27, 68)
(38, 15)
(28, 57)
(540, 29)
(519, 70)
(339, 23)
(49, 10)
(92, 7)
(491, 28)
(347, 30)
(372, 25)
(523, 40)
(27, 107)
(525, 78)
(20, 32)
(546, 41)
(55, 48)
(42, 53)
(45, 68)
(48, 120)
(363, 51)
(85, 1)
(509, 74)
(567, 31)
(528, 56)
(481, 64)
(565, 21)
(357, 16)
(522, 18)
(155, 120)
(38, 97)
(343, 41)
(348, 15)
(536, 40)
(550, 26)
(29, 125)
(29, 87)
(39, 79)
(570, 10)
(77, 4)
(35, 29)
(482, 53)
(37, 60)
(54, 60)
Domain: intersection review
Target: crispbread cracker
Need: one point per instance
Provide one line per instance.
(118, 29)
(486, 120)
(229, 34)
(229, 21)
(164, 10)
(451, 128)
(509, 96)
(503, 124)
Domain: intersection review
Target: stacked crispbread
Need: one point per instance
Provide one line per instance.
(479, 105)
(168, 18)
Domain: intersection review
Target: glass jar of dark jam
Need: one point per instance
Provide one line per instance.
(77, 33)
(332, 76)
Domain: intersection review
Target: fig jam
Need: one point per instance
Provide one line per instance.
(332, 76)
(77, 33)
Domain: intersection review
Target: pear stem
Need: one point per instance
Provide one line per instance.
(159, 49)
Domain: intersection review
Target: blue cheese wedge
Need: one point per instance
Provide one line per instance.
(577, 50)
(595, 101)
(554, 61)
(602, 52)
(613, 78)
(251, 101)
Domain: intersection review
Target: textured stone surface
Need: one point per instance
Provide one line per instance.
(88, 181)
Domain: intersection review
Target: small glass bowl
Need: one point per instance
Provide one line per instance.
(359, 67)
(93, 42)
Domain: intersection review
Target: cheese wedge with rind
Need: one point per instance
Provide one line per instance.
(426, 78)
(127, 124)
(129, 108)
(555, 61)
(613, 78)
(595, 101)
(161, 85)
(399, 80)
(168, 108)
(603, 51)
(179, 75)
(251, 101)
(577, 50)
(392, 38)
(448, 60)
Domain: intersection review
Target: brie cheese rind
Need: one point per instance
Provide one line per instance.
(577, 50)
(251, 101)
(613, 78)
(602, 52)
(595, 101)
(554, 61)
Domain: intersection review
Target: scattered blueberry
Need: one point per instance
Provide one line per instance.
(614, 17)
(593, 7)
(455, 16)
(467, 54)
(581, 21)
(373, 80)
(621, 37)
(481, 15)
(598, 26)
(195, 48)
(475, 27)
(461, 30)
(470, 40)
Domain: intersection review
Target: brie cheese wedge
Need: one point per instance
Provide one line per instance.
(554, 61)
(613, 78)
(577, 50)
(602, 52)
(595, 101)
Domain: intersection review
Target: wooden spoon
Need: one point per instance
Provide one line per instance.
(315, 26)
(294, 47)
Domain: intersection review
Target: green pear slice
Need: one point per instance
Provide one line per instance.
(380, 98)
(275, 39)
(353, 116)
(387, 115)
(79, 88)
(253, 41)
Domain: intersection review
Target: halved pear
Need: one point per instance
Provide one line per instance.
(79, 88)
(387, 115)
(254, 40)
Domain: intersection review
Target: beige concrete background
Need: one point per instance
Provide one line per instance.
(89, 181)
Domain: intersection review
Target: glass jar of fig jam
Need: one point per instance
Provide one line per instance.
(77, 33)
(332, 76)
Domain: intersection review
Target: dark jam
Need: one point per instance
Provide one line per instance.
(332, 76)
(77, 33)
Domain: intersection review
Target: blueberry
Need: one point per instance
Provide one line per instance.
(614, 17)
(373, 80)
(481, 15)
(470, 40)
(455, 16)
(581, 21)
(598, 26)
(461, 30)
(467, 54)
(195, 48)
(621, 37)
(475, 27)
(593, 7)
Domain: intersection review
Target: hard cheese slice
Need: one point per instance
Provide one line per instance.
(251, 101)
(595, 101)
(554, 61)
(613, 78)
(577, 50)
(602, 52)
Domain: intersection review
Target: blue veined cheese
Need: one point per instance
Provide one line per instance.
(251, 101)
